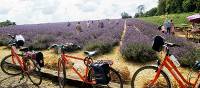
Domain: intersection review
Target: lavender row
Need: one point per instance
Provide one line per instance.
(137, 46)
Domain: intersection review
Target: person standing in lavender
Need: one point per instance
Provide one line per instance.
(78, 28)
(167, 25)
(88, 24)
(172, 27)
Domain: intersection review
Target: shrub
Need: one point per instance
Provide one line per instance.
(190, 57)
(41, 42)
(3, 42)
(38, 46)
(186, 54)
(139, 53)
(100, 46)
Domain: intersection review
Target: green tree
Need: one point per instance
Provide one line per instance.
(140, 9)
(7, 23)
(161, 7)
(151, 12)
(137, 15)
(125, 15)
(197, 3)
(174, 6)
(189, 5)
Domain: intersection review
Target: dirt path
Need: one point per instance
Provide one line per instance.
(123, 33)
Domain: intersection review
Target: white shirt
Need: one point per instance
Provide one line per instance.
(19, 37)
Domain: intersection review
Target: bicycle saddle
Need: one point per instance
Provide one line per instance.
(90, 53)
(24, 49)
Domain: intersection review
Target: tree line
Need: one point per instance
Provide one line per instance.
(6, 23)
(171, 6)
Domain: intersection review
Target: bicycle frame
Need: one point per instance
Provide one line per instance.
(183, 83)
(14, 55)
(82, 77)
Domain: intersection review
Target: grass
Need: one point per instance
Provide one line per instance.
(180, 20)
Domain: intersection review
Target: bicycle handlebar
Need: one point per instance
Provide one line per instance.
(171, 44)
(59, 47)
(12, 42)
(62, 46)
(11, 36)
(53, 46)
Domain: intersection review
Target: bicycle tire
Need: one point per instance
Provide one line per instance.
(61, 80)
(34, 73)
(7, 63)
(113, 74)
(148, 74)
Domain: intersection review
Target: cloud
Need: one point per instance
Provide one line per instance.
(43, 11)
(88, 6)
(4, 11)
(46, 7)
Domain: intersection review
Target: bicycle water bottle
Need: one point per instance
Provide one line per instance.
(175, 61)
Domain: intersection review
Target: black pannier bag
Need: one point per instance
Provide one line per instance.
(39, 59)
(101, 72)
(158, 43)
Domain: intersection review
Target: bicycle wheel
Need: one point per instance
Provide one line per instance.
(61, 73)
(144, 75)
(115, 82)
(9, 67)
(33, 71)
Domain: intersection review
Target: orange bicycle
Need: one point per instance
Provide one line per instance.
(155, 77)
(93, 75)
(24, 64)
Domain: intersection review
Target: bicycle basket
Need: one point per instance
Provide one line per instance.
(158, 43)
(101, 71)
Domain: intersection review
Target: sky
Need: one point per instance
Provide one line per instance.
(48, 11)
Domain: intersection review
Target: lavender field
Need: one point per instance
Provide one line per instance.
(136, 44)
(41, 36)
